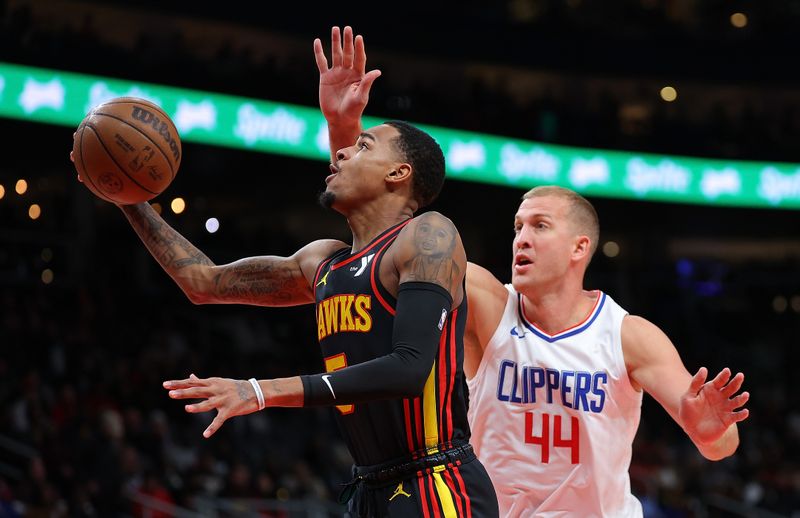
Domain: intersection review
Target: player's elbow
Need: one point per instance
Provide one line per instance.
(197, 285)
(198, 299)
(197, 296)
(413, 383)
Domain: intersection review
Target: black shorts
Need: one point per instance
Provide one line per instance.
(458, 487)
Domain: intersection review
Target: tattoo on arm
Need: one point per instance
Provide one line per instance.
(261, 279)
(171, 250)
(435, 240)
(243, 388)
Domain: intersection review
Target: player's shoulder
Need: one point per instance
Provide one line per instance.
(319, 250)
(430, 229)
(484, 280)
(431, 220)
(637, 330)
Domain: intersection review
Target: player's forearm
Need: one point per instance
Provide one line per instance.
(723, 447)
(179, 258)
(283, 392)
(342, 134)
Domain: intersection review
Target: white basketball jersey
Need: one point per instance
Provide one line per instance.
(553, 417)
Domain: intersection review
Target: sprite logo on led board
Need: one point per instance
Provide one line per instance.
(64, 98)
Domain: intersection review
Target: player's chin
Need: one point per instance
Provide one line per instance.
(327, 199)
(520, 281)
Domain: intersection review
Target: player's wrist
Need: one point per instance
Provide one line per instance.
(260, 400)
(343, 123)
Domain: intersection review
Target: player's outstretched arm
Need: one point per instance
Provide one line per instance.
(343, 86)
(707, 411)
(430, 262)
(260, 281)
(231, 398)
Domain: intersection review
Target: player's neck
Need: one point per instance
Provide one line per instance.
(556, 310)
(369, 220)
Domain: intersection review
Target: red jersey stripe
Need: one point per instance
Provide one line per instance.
(449, 481)
(467, 503)
(370, 247)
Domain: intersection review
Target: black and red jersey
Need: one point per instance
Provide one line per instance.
(355, 319)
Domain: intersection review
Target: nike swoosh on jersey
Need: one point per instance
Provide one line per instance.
(328, 383)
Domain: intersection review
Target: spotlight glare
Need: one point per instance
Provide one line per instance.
(739, 20)
(47, 276)
(212, 225)
(178, 205)
(34, 211)
(779, 304)
(21, 186)
(611, 249)
(669, 94)
(2, 191)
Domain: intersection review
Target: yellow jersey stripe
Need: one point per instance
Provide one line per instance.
(445, 496)
(430, 410)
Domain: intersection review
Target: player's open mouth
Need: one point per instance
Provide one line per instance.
(334, 172)
(521, 260)
(521, 263)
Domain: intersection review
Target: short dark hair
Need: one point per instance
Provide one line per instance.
(425, 157)
(581, 210)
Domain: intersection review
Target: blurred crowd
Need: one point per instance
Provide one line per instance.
(84, 422)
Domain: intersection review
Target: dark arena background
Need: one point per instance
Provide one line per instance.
(90, 325)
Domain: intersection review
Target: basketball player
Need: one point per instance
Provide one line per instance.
(555, 372)
(391, 311)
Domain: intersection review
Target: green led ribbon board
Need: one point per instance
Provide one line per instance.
(58, 97)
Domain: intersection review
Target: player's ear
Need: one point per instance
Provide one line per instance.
(399, 173)
(583, 247)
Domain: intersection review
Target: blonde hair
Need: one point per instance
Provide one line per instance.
(581, 211)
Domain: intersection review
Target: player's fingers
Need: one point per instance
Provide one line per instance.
(319, 56)
(733, 385)
(190, 393)
(184, 383)
(739, 416)
(336, 47)
(202, 406)
(721, 379)
(215, 425)
(359, 56)
(347, 57)
(740, 400)
(698, 380)
(367, 80)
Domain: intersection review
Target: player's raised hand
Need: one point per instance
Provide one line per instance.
(228, 396)
(707, 409)
(344, 86)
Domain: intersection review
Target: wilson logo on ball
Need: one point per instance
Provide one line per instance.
(160, 126)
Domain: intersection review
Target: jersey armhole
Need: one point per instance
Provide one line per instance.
(499, 334)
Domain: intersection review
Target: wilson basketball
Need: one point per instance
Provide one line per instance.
(127, 150)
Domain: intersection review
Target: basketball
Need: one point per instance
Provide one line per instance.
(127, 150)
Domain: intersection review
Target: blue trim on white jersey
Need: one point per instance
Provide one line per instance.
(564, 334)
